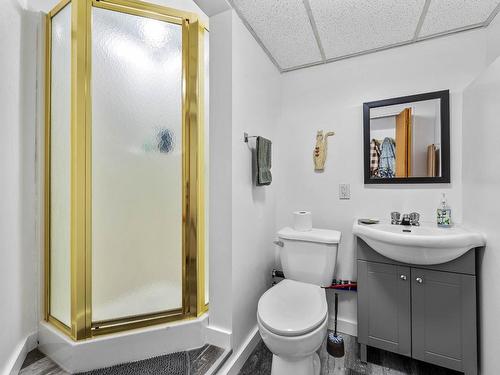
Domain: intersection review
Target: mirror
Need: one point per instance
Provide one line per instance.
(407, 139)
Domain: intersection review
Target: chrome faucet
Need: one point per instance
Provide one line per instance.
(408, 219)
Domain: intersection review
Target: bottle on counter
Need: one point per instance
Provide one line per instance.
(444, 214)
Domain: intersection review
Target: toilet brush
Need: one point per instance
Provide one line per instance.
(335, 343)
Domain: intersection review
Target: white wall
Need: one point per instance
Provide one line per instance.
(330, 97)
(18, 266)
(245, 94)
(481, 181)
(256, 109)
(220, 201)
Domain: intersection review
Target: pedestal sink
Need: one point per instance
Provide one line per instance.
(426, 244)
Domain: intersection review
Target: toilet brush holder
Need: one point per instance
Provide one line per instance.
(335, 343)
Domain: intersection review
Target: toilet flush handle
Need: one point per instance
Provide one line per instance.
(279, 243)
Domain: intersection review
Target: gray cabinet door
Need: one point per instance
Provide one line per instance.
(444, 319)
(384, 306)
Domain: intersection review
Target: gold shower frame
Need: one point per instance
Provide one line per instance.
(193, 228)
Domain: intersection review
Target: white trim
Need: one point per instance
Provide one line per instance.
(315, 29)
(220, 361)
(238, 359)
(384, 48)
(218, 337)
(421, 19)
(104, 351)
(492, 15)
(344, 326)
(17, 358)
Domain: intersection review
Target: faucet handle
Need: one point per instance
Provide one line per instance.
(414, 218)
(395, 217)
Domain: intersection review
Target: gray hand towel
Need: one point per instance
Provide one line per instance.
(264, 176)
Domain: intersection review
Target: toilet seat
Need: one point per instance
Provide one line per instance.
(292, 308)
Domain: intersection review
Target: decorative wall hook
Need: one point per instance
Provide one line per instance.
(320, 151)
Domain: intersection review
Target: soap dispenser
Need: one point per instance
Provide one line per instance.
(444, 214)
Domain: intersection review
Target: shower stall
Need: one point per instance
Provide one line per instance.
(125, 166)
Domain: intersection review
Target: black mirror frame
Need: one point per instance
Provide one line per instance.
(444, 97)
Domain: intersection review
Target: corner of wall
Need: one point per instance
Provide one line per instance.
(17, 230)
(493, 40)
(220, 202)
(255, 110)
(16, 361)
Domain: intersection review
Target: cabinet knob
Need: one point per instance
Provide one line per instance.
(419, 280)
(403, 277)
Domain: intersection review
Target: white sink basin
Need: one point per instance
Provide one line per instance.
(426, 244)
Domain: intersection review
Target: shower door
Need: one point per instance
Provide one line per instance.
(136, 165)
(133, 254)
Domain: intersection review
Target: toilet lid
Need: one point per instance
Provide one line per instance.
(314, 235)
(292, 308)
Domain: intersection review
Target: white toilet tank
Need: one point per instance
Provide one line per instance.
(309, 256)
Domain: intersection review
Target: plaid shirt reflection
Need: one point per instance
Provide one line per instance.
(374, 157)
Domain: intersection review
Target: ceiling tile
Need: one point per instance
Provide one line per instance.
(446, 15)
(346, 27)
(284, 28)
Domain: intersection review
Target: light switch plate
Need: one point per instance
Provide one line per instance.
(344, 191)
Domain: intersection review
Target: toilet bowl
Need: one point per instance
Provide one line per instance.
(292, 319)
(292, 316)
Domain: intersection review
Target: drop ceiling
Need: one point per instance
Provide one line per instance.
(301, 33)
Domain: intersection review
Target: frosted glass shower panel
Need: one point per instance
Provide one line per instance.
(60, 124)
(136, 165)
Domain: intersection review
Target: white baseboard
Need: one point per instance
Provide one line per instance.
(219, 363)
(239, 357)
(344, 326)
(17, 358)
(218, 337)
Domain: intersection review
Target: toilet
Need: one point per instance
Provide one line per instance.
(293, 315)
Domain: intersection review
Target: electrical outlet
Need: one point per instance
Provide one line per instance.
(344, 191)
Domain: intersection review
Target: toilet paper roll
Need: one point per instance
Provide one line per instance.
(302, 221)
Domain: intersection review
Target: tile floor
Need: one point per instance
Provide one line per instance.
(379, 362)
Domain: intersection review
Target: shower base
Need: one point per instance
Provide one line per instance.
(202, 361)
(131, 346)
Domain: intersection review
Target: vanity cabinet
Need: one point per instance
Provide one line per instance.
(384, 305)
(424, 312)
(444, 318)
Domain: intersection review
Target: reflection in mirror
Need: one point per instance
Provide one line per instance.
(407, 139)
